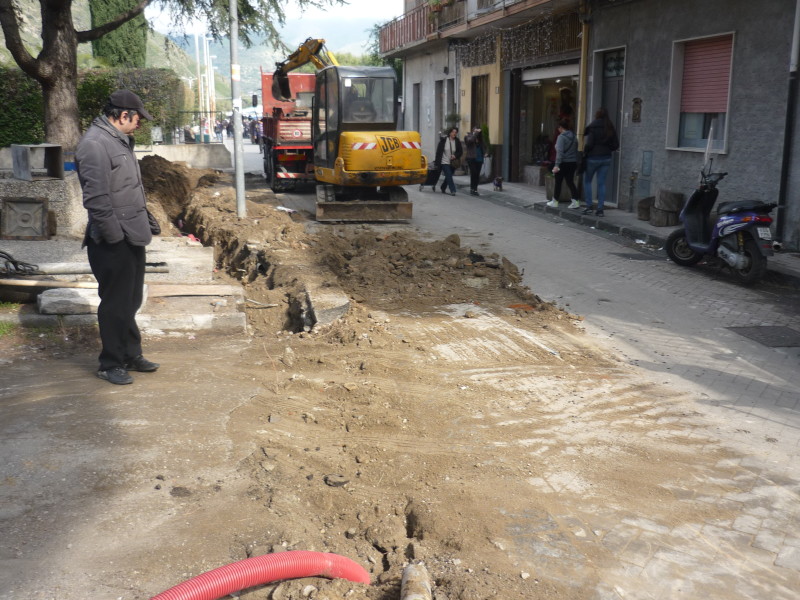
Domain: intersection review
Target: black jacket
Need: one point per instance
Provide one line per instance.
(437, 161)
(112, 186)
(595, 141)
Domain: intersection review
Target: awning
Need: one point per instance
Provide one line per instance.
(534, 76)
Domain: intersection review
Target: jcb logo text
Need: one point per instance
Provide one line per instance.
(388, 144)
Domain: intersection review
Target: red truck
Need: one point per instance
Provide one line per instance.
(288, 151)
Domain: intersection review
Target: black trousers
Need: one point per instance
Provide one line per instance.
(566, 172)
(474, 174)
(119, 270)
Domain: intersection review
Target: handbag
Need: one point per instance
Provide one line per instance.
(454, 161)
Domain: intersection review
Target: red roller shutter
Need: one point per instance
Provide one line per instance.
(706, 75)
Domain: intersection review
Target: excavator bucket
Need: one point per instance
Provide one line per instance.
(363, 211)
(281, 90)
(390, 205)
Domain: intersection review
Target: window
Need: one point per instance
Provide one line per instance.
(700, 92)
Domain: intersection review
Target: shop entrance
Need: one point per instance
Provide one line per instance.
(546, 95)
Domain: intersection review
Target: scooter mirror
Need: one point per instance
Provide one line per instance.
(708, 158)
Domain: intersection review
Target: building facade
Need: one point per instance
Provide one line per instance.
(679, 78)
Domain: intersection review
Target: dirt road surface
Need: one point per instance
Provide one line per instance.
(450, 417)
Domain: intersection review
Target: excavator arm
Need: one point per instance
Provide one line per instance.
(311, 51)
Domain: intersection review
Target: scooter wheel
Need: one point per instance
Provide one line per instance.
(757, 264)
(679, 251)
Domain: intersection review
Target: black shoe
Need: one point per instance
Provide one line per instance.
(587, 211)
(141, 364)
(599, 213)
(116, 375)
(474, 192)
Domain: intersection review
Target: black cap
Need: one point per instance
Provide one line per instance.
(127, 99)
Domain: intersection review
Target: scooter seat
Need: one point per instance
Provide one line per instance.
(729, 208)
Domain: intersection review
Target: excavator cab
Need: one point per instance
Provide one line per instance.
(350, 99)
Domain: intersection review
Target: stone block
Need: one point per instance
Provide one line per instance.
(68, 301)
(71, 301)
(663, 218)
(669, 201)
(643, 208)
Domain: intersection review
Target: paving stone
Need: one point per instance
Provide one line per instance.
(769, 540)
(789, 557)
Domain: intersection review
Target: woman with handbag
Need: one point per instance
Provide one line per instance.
(448, 157)
(566, 164)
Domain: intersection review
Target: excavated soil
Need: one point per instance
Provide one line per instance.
(451, 417)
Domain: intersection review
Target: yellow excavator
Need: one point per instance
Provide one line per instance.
(360, 159)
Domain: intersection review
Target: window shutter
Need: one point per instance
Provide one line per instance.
(706, 75)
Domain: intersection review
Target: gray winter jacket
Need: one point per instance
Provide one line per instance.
(566, 148)
(112, 186)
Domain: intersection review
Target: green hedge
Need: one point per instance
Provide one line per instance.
(22, 118)
(22, 115)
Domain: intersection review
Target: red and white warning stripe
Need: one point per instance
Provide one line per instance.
(280, 175)
(416, 145)
(365, 146)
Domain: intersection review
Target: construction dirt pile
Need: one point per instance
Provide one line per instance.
(449, 417)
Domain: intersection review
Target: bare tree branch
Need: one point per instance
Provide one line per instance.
(10, 23)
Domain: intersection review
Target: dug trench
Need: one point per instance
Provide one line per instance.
(448, 416)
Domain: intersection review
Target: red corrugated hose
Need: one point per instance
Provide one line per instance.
(258, 570)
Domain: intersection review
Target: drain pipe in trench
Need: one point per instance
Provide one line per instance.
(258, 570)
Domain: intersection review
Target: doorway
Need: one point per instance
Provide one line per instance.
(611, 97)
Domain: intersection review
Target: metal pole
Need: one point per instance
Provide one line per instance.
(207, 106)
(236, 98)
(199, 87)
(788, 134)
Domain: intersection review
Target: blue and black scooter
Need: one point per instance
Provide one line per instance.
(740, 236)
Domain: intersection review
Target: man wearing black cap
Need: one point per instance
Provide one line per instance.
(118, 230)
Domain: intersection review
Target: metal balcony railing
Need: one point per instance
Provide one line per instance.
(420, 22)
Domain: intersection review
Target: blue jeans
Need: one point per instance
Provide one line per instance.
(600, 166)
(447, 171)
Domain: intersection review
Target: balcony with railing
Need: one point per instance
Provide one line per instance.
(433, 18)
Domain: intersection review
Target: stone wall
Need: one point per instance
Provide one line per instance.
(63, 197)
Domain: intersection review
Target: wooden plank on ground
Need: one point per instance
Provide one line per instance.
(161, 290)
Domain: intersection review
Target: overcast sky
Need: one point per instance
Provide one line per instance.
(345, 28)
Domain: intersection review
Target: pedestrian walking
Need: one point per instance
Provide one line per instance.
(600, 141)
(119, 227)
(448, 157)
(566, 163)
(473, 143)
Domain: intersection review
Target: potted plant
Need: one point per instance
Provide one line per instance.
(435, 5)
(451, 120)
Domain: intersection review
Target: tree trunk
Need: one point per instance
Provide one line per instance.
(58, 75)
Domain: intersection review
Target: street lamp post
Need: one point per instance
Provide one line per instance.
(236, 100)
(211, 100)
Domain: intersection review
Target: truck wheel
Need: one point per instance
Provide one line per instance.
(275, 183)
(678, 249)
